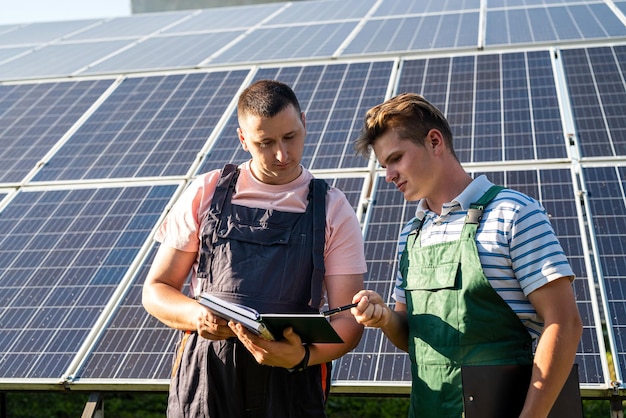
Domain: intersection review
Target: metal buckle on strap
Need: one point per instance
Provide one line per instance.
(474, 215)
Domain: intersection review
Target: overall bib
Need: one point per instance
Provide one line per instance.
(455, 318)
(273, 262)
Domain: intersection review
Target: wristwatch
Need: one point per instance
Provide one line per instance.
(305, 360)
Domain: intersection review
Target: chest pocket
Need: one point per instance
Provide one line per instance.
(432, 278)
(246, 228)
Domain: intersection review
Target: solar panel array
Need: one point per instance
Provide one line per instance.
(104, 122)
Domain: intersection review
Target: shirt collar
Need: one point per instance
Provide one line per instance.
(472, 193)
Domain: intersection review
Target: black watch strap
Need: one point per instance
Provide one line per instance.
(305, 360)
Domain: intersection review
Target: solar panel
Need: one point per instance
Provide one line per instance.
(150, 126)
(9, 53)
(607, 213)
(314, 40)
(34, 117)
(595, 80)
(320, 11)
(39, 33)
(501, 107)
(558, 23)
(400, 7)
(334, 99)
(165, 52)
(58, 60)
(225, 18)
(134, 345)
(63, 254)
(135, 26)
(416, 33)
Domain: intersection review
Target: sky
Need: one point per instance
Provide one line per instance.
(30, 11)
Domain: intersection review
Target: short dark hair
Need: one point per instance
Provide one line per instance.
(266, 98)
(410, 115)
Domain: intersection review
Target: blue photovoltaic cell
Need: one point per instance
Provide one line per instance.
(135, 26)
(34, 117)
(403, 7)
(166, 52)
(287, 42)
(40, 33)
(8, 53)
(134, 345)
(375, 359)
(224, 18)
(59, 59)
(62, 255)
(595, 80)
(607, 206)
(334, 99)
(150, 126)
(555, 190)
(545, 24)
(500, 107)
(416, 34)
(321, 11)
(389, 212)
(495, 4)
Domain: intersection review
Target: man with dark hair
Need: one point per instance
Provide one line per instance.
(265, 234)
(482, 273)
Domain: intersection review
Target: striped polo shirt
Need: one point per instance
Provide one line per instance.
(517, 246)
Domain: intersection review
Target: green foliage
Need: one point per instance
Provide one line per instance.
(153, 405)
(367, 407)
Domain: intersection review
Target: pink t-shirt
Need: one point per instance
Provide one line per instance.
(343, 251)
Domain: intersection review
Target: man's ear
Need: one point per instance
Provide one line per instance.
(303, 119)
(435, 140)
(242, 139)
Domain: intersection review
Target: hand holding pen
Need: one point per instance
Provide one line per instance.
(333, 311)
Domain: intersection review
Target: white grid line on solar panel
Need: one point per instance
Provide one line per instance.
(10, 53)
(45, 32)
(135, 26)
(74, 248)
(606, 194)
(164, 52)
(150, 126)
(512, 97)
(333, 98)
(322, 11)
(533, 4)
(390, 8)
(224, 18)
(35, 117)
(115, 357)
(597, 89)
(58, 59)
(554, 188)
(554, 23)
(303, 41)
(415, 33)
(509, 99)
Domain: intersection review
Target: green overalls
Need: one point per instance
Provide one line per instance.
(455, 318)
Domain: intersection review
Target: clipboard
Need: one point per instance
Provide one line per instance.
(500, 392)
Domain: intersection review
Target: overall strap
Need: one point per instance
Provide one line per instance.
(225, 186)
(475, 212)
(317, 198)
(223, 191)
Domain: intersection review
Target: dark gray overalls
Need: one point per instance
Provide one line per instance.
(272, 261)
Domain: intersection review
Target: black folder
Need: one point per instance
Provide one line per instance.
(500, 391)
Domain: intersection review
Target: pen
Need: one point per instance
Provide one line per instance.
(339, 309)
